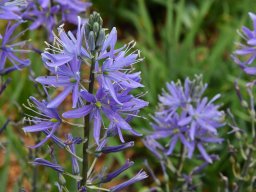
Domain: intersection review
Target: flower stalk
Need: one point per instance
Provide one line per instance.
(87, 126)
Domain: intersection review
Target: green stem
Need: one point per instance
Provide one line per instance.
(85, 165)
(179, 166)
(247, 163)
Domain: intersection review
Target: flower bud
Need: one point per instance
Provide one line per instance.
(101, 38)
(96, 28)
(91, 41)
(62, 180)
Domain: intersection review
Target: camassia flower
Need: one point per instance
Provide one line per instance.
(67, 76)
(70, 9)
(245, 54)
(68, 48)
(100, 104)
(10, 10)
(48, 120)
(44, 16)
(185, 117)
(9, 50)
(117, 66)
(43, 162)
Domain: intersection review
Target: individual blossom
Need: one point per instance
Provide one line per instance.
(245, 54)
(140, 176)
(43, 162)
(48, 120)
(172, 130)
(10, 10)
(44, 16)
(67, 76)
(205, 115)
(203, 138)
(70, 9)
(68, 47)
(110, 176)
(118, 65)
(71, 142)
(9, 50)
(100, 104)
(44, 3)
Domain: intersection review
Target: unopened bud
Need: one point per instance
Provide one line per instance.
(91, 41)
(96, 28)
(62, 180)
(101, 38)
(244, 104)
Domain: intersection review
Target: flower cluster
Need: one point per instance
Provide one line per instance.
(185, 116)
(104, 100)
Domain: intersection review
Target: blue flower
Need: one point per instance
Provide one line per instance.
(68, 48)
(67, 76)
(140, 176)
(117, 66)
(204, 116)
(43, 162)
(48, 120)
(70, 9)
(100, 104)
(10, 10)
(9, 49)
(45, 16)
(246, 53)
(184, 116)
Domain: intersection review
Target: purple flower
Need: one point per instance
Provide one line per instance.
(172, 130)
(107, 178)
(117, 67)
(68, 48)
(246, 53)
(45, 16)
(204, 116)
(67, 76)
(202, 139)
(184, 117)
(140, 176)
(75, 165)
(113, 149)
(43, 162)
(44, 3)
(9, 49)
(70, 9)
(100, 104)
(10, 10)
(48, 119)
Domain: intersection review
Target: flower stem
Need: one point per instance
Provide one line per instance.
(179, 167)
(247, 163)
(87, 127)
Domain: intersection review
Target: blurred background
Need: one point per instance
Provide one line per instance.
(177, 39)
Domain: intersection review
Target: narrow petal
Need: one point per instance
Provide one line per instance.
(78, 113)
(60, 98)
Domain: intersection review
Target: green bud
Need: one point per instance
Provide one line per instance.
(101, 38)
(96, 28)
(244, 104)
(62, 180)
(91, 41)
